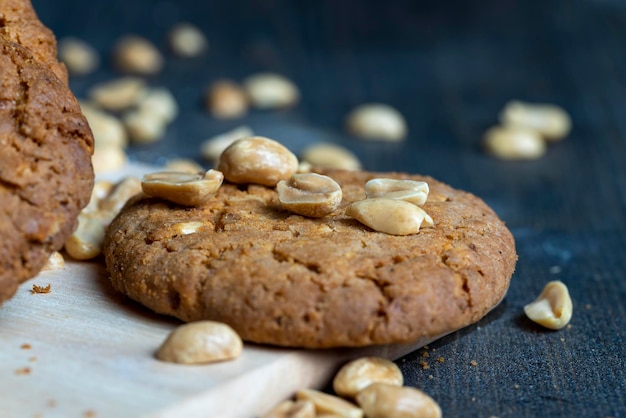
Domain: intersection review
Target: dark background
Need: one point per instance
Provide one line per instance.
(449, 68)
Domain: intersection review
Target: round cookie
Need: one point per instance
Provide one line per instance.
(45, 164)
(284, 279)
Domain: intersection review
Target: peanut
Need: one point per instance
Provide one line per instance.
(309, 194)
(360, 373)
(183, 188)
(212, 148)
(514, 143)
(382, 400)
(187, 41)
(328, 404)
(330, 156)
(551, 121)
(79, 57)
(225, 99)
(411, 191)
(291, 409)
(271, 91)
(118, 94)
(376, 121)
(134, 54)
(553, 308)
(394, 217)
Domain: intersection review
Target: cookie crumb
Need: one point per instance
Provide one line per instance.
(89, 414)
(425, 354)
(23, 371)
(516, 386)
(441, 359)
(473, 363)
(430, 376)
(425, 365)
(40, 289)
(32, 359)
(26, 346)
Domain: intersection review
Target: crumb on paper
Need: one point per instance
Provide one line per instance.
(26, 346)
(23, 371)
(425, 365)
(40, 289)
(473, 363)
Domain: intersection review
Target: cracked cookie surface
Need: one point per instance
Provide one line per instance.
(45, 163)
(283, 279)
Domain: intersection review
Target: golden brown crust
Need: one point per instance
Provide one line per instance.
(45, 164)
(283, 279)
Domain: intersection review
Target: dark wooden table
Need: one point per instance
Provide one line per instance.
(449, 68)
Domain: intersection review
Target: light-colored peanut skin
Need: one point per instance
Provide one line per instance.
(360, 373)
(329, 404)
(257, 160)
(309, 194)
(200, 342)
(553, 308)
(183, 188)
(381, 400)
(391, 216)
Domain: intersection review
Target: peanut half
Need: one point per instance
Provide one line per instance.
(394, 217)
(360, 373)
(200, 342)
(411, 191)
(309, 194)
(257, 160)
(184, 188)
(382, 400)
(376, 121)
(553, 308)
(551, 121)
(514, 143)
(329, 404)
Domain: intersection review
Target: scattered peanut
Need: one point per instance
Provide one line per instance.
(551, 121)
(183, 164)
(271, 91)
(212, 148)
(225, 99)
(514, 143)
(376, 121)
(309, 194)
(553, 308)
(55, 262)
(134, 54)
(411, 191)
(106, 159)
(186, 40)
(291, 409)
(360, 373)
(86, 241)
(328, 404)
(257, 160)
(394, 217)
(330, 156)
(160, 103)
(79, 57)
(200, 342)
(107, 129)
(382, 400)
(183, 188)
(118, 94)
(143, 127)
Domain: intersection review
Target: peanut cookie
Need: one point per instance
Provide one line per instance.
(45, 164)
(285, 279)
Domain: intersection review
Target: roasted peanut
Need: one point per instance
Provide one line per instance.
(107, 129)
(271, 91)
(360, 373)
(183, 164)
(55, 262)
(291, 409)
(160, 103)
(106, 159)
(309, 194)
(328, 404)
(86, 241)
(376, 121)
(79, 57)
(394, 217)
(382, 400)
(553, 308)
(118, 94)
(186, 40)
(212, 148)
(225, 99)
(134, 54)
(183, 188)
(143, 127)
(330, 156)
(514, 143)
(257, 160)
(411, 191)
(200, 342)
(551, 121)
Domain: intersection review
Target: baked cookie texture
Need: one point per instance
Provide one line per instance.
(283, 279)
(45, 163)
